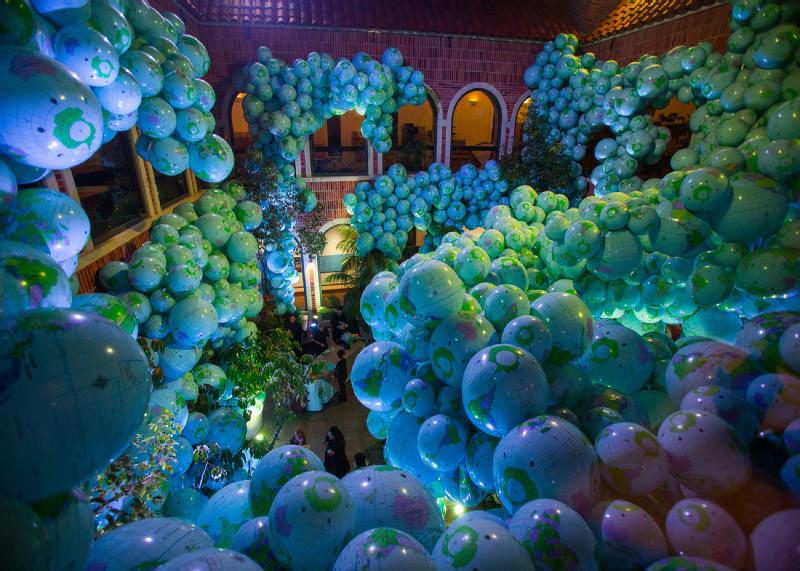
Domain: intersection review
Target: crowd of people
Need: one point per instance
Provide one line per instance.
(336, 460)
(315, 339)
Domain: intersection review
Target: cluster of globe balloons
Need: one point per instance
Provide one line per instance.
(287, 102)
(75, 385)
(386, 210)
(483, 384)
(77, 72)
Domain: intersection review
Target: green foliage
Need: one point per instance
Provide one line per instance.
(541, 162)
(357, 272)
(134, 486)
(282, 200)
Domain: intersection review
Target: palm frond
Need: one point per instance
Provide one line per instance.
(340, 278)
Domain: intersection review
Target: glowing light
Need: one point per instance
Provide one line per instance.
(459, 509)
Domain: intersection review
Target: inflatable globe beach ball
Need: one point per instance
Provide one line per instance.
(30, 279)
(629, 536)
(554, 534)
(384, 496)
(106, 377)
(384, 549)
(569, 321)
(479, 543)
(545, 456)
(632, 460)
(274, 470)
(109, 307)
(49, 221)
(225, 512)
(502, 386)
(24, 537)
(40, 92)
(146, 543)
(702, 528)
(69, 523)
(211, 159)
(430, 290)
(379, 375)
(704, 453)
(227, 428)
(454, 341)
(315, 510)
(185, 504)
(211, 558)
(618, 357)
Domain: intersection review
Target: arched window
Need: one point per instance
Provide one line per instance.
(240, 130)
(522, 113)
(413, 137)
(476, 129)
(338, 148)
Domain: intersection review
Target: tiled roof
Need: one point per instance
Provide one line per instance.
(591, 20)
(518, 19)
(630, 14)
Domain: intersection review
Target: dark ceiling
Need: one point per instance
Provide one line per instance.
(525, 20)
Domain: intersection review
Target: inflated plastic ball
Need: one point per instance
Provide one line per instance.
(275, 469)
(430, 290)
(192, 321)
(453, 343)
(94, 350)
(225, 512)
(554, 535)
(211, 159)
(386, 549)
(70, 527)
(30, 279)
(312, 509)
(401, 450)
(384, 496)
(479, 459)
(212, 558)
(419, 398)
(629, 536)
(703, 452)
(49, 221)
(569, 321)
(760, 336)
(442, 442)
(632, 460)
(252, 540)
(728, 405)
(379, 375)
(545, 456)
(146, 543)
(709, 363)
(618, 357)
(66, 133)
(478, 543)
(185, 504)
(502, 386)
(24, 536)
(701, 528)
(775, 396)
(503, 304)
(227, 428)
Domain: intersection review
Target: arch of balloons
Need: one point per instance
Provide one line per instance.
(287, 102)
(76, 73)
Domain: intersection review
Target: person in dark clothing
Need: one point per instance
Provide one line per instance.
(361, 460)
(341, 375)
(295, 329)
(336, 461)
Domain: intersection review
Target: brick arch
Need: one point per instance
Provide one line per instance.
(501, 103)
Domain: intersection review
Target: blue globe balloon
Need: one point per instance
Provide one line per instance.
(545, 457)
(185, 504)
(480, 456)
(618, 357)
(379, 375)
(502, 386)
(30, 279)
(454, 341)
(146, 543)
(479, 543)
(401, 450)
(192, 321)
(442, 442)
(226, 512)
(554, 534)
(430, 290)
(252, 540)
(384, 496)
(313, 508)
(212, 558)
(211, 158)
(386, 549)
(227, 429)
(100, 346)
(196, 428)
(275, 469)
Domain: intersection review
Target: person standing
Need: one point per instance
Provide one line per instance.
(295, 329)
(341, 375)
(298, 438)
(336, 461)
